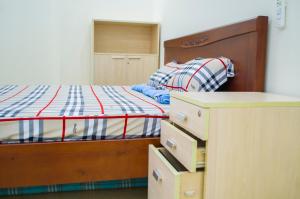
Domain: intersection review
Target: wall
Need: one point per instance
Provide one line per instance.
(48, 41)
(283, 69)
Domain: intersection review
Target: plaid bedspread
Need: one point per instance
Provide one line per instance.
(44, 113)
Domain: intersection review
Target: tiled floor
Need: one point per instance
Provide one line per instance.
(140, 193)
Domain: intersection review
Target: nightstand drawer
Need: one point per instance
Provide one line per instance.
(190, 117)
(182, 146)
(168, 179)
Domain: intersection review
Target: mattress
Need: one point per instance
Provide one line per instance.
(44, 113)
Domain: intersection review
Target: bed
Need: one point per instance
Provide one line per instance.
(67, 151)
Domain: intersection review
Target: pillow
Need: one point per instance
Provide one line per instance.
(163, 75)
(202, 74)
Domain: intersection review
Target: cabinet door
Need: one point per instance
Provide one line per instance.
(120, 69)
(118, 65)
(150, 65)
(134, 72)
(109, 69)
(102, 69)
(140, 67)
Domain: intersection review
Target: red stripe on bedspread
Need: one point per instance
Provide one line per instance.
(63, 129)
(39, 113)
(162, 111)
(125, 126)
(84, 117)
(14, 94)
(100, 104)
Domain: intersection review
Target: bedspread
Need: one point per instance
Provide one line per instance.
(44, 113)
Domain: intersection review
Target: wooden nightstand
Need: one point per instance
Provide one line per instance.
(228, 146)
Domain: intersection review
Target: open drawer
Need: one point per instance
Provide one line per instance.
(185, 148)
(168, 179)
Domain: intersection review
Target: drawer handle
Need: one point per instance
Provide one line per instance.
(181, 117)
(157, 175)
(117, 57)
(199, 113)
(171, 144)
(189, 193)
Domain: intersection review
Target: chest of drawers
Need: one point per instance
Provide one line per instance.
(229, 146)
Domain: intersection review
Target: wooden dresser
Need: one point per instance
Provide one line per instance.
(228, 146)
(125, 53)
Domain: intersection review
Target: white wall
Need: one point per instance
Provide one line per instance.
(49, 41)
(181, 17)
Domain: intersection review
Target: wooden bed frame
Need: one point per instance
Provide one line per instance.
(85, 161)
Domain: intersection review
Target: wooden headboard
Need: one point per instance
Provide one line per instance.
(244, 43)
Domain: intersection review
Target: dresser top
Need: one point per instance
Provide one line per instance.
(236, 99)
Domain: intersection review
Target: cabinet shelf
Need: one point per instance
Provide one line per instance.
(125, 37)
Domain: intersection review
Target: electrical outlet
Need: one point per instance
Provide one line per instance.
(280, 13)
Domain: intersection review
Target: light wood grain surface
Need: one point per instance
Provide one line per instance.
(236, 99)
(124, 53)
(253, 153)
(123, 69)
(191, 117)
(185, 148)
(174, 184)
(118, 37)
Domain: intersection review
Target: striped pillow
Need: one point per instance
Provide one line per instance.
(163, 75)
(202, 75)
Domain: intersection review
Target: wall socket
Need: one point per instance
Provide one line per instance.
(280, 13)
